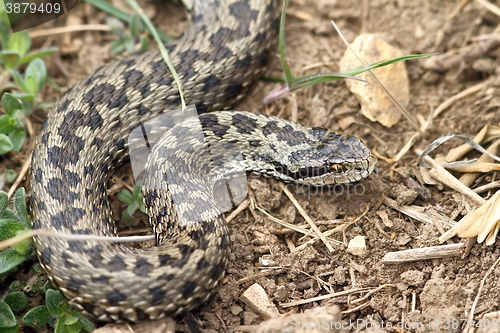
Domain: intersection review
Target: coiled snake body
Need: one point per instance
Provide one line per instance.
(84, 138)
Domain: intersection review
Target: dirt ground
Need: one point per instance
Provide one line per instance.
(433, 295)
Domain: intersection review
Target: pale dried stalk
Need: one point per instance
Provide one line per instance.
(426, 253)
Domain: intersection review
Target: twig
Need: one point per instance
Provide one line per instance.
(306, 216)
(72, 28)
(39, 232)
(442, 175)
(464, 93)
(426, 253)
(320, 298)
(20, 176)
(491, 7)
(241, 207)
(416, 213)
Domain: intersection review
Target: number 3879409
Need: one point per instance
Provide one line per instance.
(30, 7)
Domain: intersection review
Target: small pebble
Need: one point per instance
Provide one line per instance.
(357, 246)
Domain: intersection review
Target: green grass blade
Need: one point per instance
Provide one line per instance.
(387, 62)
(319, 78)
(299, 83)
(284, 61)
(163, 50)
(106, 7)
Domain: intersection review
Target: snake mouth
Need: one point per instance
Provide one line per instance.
(331, 173)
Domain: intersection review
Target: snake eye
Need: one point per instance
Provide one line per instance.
(338, 168)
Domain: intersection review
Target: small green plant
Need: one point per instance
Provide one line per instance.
(134, 41)
(12, 132)
(24, 88)
(133, 200)
(58, 313)
(13, 301)
(14, 222)
(10, 176)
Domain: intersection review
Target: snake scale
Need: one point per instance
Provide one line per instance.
(84, 139)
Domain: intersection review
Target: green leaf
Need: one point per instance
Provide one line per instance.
(35, 76)
(45, 105)
(281, 42)
(126, 42)
(74, 328)
(136, 25)
(38, 316)
(9, 215)
(17, 301)
(38, 54)
(19, 80)
(4, 201)
(299, 83)
(56, 302)
(10, 59)
(48, 286)
(8, 124)
(38, 286)
(132, 208)
(17, 285)
(10, 176)
(7, 318)
(4, 29)
(60, 327)
(10, 228)
(5, 144)
(24, 247)
(10, 104)
(17, 138)
(14, 329)
(144, 44)
(20, 42)
(69, 319)
(136, 194)
(8, 86)
(106, 7)
(28, 100)
(10, 259)
(125, 196)
(21, 209)
(86, 324)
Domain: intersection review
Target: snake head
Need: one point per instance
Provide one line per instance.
(335, 159)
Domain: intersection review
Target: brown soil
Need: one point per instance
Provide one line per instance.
(423, 292)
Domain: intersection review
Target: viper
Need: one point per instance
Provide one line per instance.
(85, 137)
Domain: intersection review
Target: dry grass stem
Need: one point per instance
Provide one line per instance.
(20, 176)
(306, 217)
(73, 28)
(439, 173)
(426, 253)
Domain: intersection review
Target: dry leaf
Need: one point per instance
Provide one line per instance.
(375, 104)
(483, 223)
